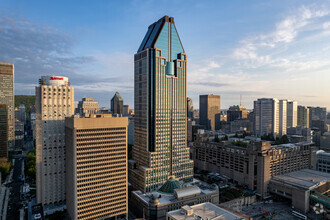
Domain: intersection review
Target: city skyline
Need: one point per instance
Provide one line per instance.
(247, 50)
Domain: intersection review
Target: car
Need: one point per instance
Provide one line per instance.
(37, 216)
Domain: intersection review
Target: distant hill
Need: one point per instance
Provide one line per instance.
(27, 100)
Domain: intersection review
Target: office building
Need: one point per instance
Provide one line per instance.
(323, 161)
(299, 131)
(241, 125)
(303, 116)
(54, 102)
(117, 104)
(7, 98)
(32, 118)
(87, 106)
(282, 117)
(160, 141)
(317, 113)
(209, 111)
(292, 114)
(96, 166)
(266, 117)
(236, 112)
(20, 113)
(19, 135)
(190, 108)
(325, 141)
(255, 164)
(3, 132)
(125, 110)
(130, 130)
(155, 205)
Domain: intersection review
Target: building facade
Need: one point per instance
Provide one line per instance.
(125, 110)
(190, 108)
(3, 132)
(54, 102)
(96, 166)
(236, 112)
(303, 116)
(160, 141)
(282, 117)
(209, 111)
(254, 165)
(266, 116)
(323, 161)
(117, 104)
(7, 98)
(19, 135)
(292, 114)
(87, 106)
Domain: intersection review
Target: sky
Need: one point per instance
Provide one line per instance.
(256, 48)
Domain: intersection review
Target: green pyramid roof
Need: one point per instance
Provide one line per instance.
(169, 186)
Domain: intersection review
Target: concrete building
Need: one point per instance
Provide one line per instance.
(317, 114)
(190, 108)
(170, 197)
(209, 111)
(54, 102)
(282, 117)
(241, 125)
(7, 98)
(303, 116)
(87, 106)
(130, 131)
(325, 142)
(20, 113)
(32, 118)
(205, 210)
(160, 140)
(303, 187)
(125, 110)
(117, 104)
(236, 112)
(19, 135)
(302, 131)
(266, 116)
(292, 113)
(3, 132)
(96, 166)
(323, 161)
(255, 164)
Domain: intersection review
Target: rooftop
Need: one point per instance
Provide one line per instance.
(203, 211)
(306, 178)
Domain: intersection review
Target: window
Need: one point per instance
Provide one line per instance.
(159, 53)
(163, 62)
(183, 57)
(179, 64)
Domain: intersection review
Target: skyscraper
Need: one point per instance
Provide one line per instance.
(282, 117)
(236, 112)
(117, 104)
(96, 166)
(3, 132)
(87, 106)
(266, 116)
(303, 116)
(7, 98)
(54, 102)
(160, 75)
(209, 111)
(190, 108)
(292, 113)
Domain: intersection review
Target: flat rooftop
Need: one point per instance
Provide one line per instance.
(204, 211)
(306, 178)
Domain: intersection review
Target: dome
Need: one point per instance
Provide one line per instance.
(170, 185)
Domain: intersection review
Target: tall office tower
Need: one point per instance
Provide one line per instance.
(126, 110)
(87, 106)
(117, 104)
(303, 116)
(236, 112)
(160, 142)
(7, 98)
(190, 108)
(282, 117)
(3, 132)
(209, 111)
(266, 116)
(96, 166)
(54, 102)
(20, 113)
(292, 114)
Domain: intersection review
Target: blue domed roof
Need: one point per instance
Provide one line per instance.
(169, 186)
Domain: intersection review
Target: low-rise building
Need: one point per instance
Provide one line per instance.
(323, 161)
(253, 164)
(171, 196)
(303, 187)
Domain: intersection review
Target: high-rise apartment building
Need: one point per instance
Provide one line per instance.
(96, 166)
(190, 108)
(266, 116)
(87, 106)
(3, 132)
(54, 102)
(282, 105)
(125, 110)
(7, 98)
(160, 148)
(117, 104)
(209, 111)
(292, 114)
(303, 116)
(236, 112)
